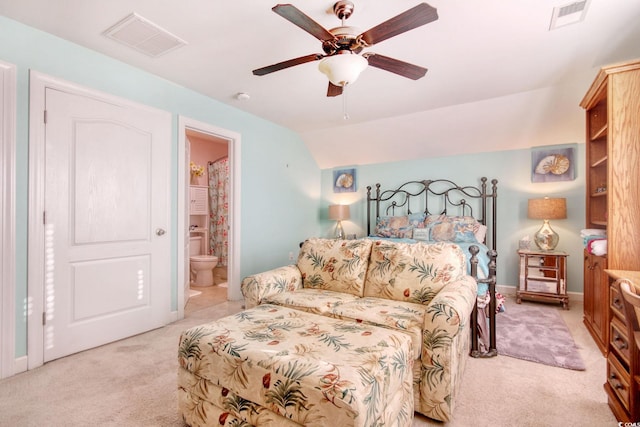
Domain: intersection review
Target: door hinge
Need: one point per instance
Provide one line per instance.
(44, 318)
(44, 217)
(45, 117)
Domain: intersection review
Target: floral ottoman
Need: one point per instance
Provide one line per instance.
(275, 366)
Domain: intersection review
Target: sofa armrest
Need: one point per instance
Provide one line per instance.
(450, 310)
(445, 346)
(258, 286)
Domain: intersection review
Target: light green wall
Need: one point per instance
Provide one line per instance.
(280, 180)
(284, 194)
(512, 169)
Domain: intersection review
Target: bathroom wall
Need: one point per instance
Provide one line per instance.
(205, 149)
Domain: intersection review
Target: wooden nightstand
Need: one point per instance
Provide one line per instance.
(543, 277)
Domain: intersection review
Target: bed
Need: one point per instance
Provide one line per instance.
(443, 210)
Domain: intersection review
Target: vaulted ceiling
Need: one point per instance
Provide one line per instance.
(498, 77)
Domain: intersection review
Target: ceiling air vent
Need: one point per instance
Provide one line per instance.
(570, 13)
(143, 36)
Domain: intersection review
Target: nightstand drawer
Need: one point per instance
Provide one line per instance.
(618, 379)
(618, 339)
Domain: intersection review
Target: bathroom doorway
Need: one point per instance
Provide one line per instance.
(208, 219)
(209, 194)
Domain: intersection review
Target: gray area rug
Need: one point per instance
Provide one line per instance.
(537, 333)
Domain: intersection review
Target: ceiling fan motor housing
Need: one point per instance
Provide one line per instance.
(343, 9)
(346, 38)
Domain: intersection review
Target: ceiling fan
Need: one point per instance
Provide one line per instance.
(341, 60)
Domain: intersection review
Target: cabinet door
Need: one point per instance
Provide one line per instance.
(199, 205)
(589, 292)
(596, 299)
(601, 294)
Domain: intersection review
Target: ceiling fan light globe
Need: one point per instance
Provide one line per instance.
(343, 69)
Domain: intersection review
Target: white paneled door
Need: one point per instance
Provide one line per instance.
(107, 245)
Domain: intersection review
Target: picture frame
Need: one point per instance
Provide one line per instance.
(553, 163)
(344, 180)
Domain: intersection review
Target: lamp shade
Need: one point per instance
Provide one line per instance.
(343, 69)
(547, 208)
(338, 212)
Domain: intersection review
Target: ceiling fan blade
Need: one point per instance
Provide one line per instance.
(286, 64)
(413, 18)
(334, 90)
(297, 17)
(413, 72)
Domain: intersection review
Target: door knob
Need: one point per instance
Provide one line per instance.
(160, 231)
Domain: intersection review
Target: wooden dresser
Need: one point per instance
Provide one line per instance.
(623, 359)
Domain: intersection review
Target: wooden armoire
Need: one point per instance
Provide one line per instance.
(612, 106)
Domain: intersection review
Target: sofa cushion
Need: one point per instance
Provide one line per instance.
(399, 315)
(412, 272)
(318, 301)
(334, 265)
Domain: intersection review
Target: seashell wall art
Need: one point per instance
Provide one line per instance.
(553, 163)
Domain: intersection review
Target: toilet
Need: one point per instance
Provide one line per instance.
(201, 266)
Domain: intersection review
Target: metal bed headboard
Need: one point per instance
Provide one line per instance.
(439, 196)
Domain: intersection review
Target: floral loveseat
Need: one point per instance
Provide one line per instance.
(421, 289)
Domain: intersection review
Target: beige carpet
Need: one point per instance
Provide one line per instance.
(132, 383)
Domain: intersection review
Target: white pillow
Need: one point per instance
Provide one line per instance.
(421, 233)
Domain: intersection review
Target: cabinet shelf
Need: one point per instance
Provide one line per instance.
(599, 194)
(600, 162)
(600, 132)
(599, 222)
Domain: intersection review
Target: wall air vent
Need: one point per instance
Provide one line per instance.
(144, 36)
(570, 13)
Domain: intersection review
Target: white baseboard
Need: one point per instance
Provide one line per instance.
(510, 291)
(576, 296)
(507, 291)
(20, 364)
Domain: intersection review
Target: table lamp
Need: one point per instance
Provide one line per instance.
(339, 213)
(546, 209)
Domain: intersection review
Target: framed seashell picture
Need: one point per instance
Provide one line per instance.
(344, 181)
(553, 163)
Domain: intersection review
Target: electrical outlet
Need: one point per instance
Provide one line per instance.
(290, 256)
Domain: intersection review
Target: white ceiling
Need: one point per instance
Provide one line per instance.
(498, 78)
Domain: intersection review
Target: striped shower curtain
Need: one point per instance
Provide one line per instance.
(219, 210)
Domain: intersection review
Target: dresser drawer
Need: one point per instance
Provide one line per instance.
(617, 305)
(618, 379)
(619, 340)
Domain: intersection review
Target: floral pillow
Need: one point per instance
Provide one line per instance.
(334, 265)
(400, 227)
(417, 220)
(458, 229)
(393, 226)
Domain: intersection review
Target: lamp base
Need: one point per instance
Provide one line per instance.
(546, 238)
(339, 234)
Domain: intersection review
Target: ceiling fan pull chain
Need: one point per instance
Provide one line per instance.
(345, 114)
